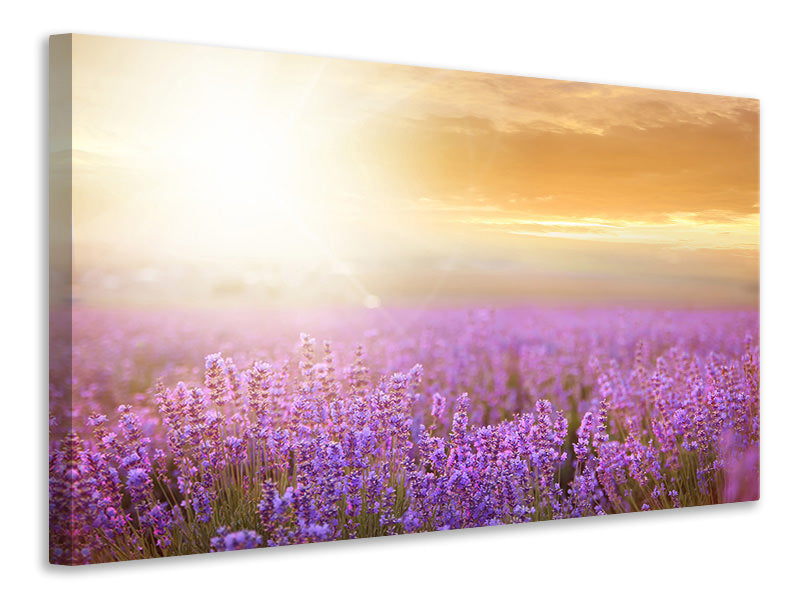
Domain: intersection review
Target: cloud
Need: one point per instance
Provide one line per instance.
(514, 103)
(712, 230)
(677, 167)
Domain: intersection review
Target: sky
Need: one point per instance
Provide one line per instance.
(262, 177)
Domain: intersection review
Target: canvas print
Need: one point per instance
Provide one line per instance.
(297, 299)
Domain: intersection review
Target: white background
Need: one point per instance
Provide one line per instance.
(731, 48)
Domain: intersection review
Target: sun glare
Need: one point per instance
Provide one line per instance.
(252, 161)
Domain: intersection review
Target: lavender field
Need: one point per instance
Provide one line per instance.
(194, 431)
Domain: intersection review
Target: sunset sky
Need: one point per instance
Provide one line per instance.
(243, 171)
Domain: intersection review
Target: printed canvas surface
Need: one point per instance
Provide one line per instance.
(298, 299)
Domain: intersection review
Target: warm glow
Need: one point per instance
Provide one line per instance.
(304, 176)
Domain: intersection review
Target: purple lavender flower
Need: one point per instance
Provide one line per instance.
(137, 478)
(657, 410)
(227, 540)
